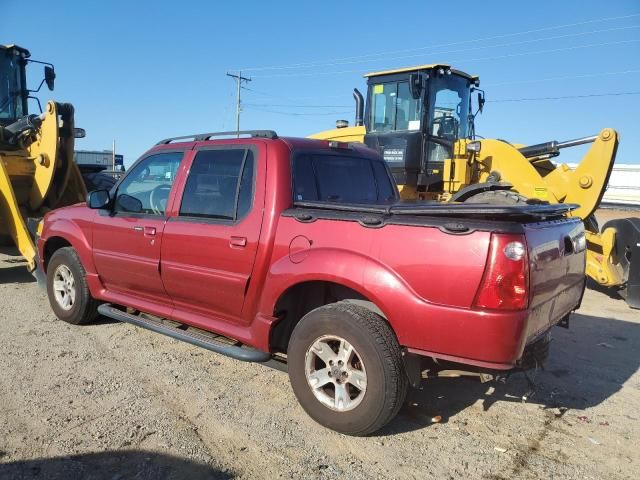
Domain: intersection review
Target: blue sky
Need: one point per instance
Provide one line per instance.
(142, 71)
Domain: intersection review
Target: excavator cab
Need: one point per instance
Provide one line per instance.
(414, 116)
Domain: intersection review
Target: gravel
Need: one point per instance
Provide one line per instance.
(110, 401)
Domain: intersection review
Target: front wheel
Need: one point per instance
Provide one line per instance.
(67, 288)
(345, 367)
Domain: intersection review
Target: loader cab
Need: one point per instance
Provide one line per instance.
(13, 86)
(14, 92)
(413, 116)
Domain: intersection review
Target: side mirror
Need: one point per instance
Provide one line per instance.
(480, 101)
(98, 199)
(49, 76)
(415, 85)
(79, 133)
(128, 203)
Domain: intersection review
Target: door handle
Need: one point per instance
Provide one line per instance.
(238, 242)
(148, 231)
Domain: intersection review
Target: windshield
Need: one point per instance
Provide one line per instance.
(10, 87)
(449, 107)
(393, 107)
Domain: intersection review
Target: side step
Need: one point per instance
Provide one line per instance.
(244, 354)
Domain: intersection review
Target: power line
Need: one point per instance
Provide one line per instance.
(531, 99)
(299, 114)
(291, 99)
(495, 57)
(480, 47)
(396, 52)
(567, 77)
(295, 106)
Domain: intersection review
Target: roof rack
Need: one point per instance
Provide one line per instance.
(199, 137)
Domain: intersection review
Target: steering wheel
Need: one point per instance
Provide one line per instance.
(158, 198)
(448, 126)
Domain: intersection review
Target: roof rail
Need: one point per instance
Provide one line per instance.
(199, 137)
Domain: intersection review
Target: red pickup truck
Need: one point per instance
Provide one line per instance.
(282, 249)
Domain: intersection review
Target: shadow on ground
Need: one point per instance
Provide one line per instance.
(115, 465)
(608, 291)
(15, 272)
(588, 364)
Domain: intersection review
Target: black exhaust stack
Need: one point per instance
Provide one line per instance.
(359, 107)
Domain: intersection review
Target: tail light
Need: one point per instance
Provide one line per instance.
(505, 283)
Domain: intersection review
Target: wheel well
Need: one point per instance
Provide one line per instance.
(52, 245)
(300, 299)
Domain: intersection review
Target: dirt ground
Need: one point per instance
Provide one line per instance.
(116, 402)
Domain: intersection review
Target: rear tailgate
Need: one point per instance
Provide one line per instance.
(556, 280)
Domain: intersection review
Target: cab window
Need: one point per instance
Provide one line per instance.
(146, 187)
(394, 108)
(220, 185)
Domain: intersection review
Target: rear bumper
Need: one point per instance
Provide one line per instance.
(488, 339)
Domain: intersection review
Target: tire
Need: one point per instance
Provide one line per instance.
(81, 307)
(98, 181)
(498, 197)
(376, 353)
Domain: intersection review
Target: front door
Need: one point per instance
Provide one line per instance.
(127, 239)
(209, 247)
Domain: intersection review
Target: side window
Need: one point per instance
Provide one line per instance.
(305, 179)
(340, 178)
(386, 190)
(383, 110)
(220, 184)
(146, 187)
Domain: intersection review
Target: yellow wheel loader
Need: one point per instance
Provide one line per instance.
(37, 171)
(421, 119)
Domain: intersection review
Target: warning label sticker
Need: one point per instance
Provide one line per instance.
(393, 154)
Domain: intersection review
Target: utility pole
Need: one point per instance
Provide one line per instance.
(239, 79)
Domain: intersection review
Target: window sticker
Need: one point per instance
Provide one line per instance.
(378, 88)
(414, 125)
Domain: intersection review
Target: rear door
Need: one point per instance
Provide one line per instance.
(127, 240)
(209, 247)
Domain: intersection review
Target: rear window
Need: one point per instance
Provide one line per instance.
(340, 178)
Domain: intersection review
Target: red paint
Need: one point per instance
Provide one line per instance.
(227, 278)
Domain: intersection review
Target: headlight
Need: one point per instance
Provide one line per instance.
(473, 147)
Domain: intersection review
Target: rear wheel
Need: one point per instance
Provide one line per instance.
(67, 288)
(345, 367)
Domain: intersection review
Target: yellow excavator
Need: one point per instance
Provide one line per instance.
(421, 119)
(37, 170)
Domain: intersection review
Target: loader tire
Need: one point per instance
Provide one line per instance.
(67, 288)
(498, 197)
(345, 367)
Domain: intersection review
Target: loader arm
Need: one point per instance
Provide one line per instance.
(586, 184)
(38, 175)
(529, 171)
